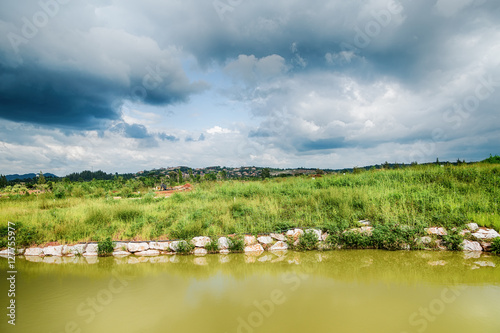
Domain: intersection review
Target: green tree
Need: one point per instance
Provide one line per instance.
(3, 181)
(266, 173)
(41, 179)
(181, 179)
(172, 175)
(223, 174)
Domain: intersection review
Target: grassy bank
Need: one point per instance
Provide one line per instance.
(418, 196)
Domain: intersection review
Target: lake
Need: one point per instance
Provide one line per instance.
(337, 291)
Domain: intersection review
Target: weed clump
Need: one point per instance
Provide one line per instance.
(105, 247)
(236, 244)
(307, 241)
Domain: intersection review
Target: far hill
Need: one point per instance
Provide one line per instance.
(28, 176)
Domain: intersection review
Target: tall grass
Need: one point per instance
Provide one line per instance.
(419, 196)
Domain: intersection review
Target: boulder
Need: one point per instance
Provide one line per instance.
(324, 236)
(33, 251)
(472, 226)
(471, 246)
(201, 241)
(366, 230)
(77, 249)
(55, 251)
(174, 246)
(147, 253)
(316, 232)
(120, 246)
(464, 232)
(137, 247)
(364, 223)
(254, 248)
(91, 250)
(250, 240)
(425, 240)
(121, 253)
(223, 243)
(224, 251)
(6, 253)
(199, 251)
(486, 246)
(485, 233)
(265, 239)
(278, 237)
(294, 233)
(440, 231)
(160, 246)
(279, 246)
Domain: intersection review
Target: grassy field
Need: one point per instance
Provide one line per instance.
(417, 196)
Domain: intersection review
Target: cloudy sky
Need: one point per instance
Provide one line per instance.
(124, 85)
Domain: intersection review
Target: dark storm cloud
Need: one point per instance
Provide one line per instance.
(61, 65)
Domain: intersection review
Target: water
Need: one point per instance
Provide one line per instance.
(338, 291)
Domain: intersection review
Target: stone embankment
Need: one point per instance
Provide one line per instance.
(479, 239)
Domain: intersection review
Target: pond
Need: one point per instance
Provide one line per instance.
(337, 291)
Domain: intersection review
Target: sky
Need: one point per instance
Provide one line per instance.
(124, 85)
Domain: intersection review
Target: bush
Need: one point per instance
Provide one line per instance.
(355, 240)
(394, 237)
(307, 241)
(236, 244)
(212, 247)
(453, 241)
(105, 247)
(495, 246)
(184, 247)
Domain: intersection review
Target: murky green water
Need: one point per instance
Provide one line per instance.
(339, 291)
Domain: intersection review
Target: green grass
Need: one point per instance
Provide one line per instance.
(417, 197)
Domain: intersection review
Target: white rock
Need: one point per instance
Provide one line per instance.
(224, 251)
(324, 236)
(279, 246)
(295, 233)
(425, 240)
(254, 248)
(471, 246)
(364, 223)
(316, 232)
(472, 226)
(91, 250)
(265, 239)
(366, 230)
(174, 246)
(223, 243)
(436, 231)
(137, 247)
(279, 237)
(121, 253)
(250, 240)
(199, 251)
(160, 246)
(77, 249)
(464, 232)
(33, 251)
(6, 253)
(201, 241)
(147, 253)
(485, 233)
(120, 246)
(53, 251)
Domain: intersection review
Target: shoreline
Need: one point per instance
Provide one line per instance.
(472, 239)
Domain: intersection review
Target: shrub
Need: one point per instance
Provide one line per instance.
(394, 237)
(355, 240)
(236, 244)
(27, 236)
(184, 247)
(453, 241)
(212, 247)
(307, 241)
(105, 247)
(495, 246)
